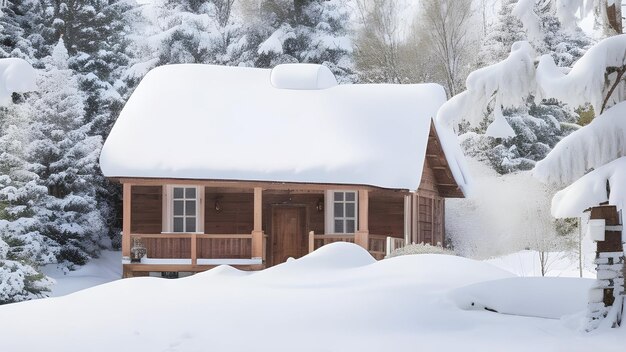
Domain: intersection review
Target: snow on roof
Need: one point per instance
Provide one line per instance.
(16, 75)
(590, 147)
(230, 123)
(591, 190)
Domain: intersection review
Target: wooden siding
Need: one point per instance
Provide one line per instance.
(146, 212)
(236, 214)
(210, 248)
(386, 215)
(429, 217)
(174, 248)
(436, 159)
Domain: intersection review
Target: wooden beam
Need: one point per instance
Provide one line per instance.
(126, 220)
(267, 185)
(311, 241)
(257, 232)
(362, 235)
(194, 249)
(414, 209)
(407, 219)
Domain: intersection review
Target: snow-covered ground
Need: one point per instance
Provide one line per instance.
(335, 299)
(104, 269)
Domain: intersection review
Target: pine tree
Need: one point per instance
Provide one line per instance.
(502, 33)
(198, 31)
(65, 158)
(308, 31)
(538, 125)
(15, 23)
(22, 247)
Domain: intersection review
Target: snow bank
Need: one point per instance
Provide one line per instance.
(585, 83)
(591, 190)
(542, 297)
(347, 300)
(526, 263)
(16, 75)
(101, 270)
(230, 123)
(590, 147)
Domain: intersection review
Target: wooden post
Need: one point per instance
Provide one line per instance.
(257, 232)
(194, 250)
(609, 267)
(362, 235)
(416, 218)
(390, 245)
(126, 220)
(407, 219)
(311, 241)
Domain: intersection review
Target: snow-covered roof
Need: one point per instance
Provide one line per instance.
(231, 123)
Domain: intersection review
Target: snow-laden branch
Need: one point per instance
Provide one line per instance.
(592, 146)
(508, 82)
(591, 190)
(590, 79)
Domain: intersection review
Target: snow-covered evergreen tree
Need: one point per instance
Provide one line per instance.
(310, 31)
(503, 32)
(22, 247)
(538, 125)
(15, 22)
(197, 31)
(65, 156)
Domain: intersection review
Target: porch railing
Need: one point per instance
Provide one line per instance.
(198, 248)
(378, 245)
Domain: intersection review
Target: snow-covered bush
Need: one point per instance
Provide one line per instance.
(420, 248)
(21, 282)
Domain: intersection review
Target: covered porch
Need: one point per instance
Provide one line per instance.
(253, 225)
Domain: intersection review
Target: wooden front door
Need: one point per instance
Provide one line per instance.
(288, 233)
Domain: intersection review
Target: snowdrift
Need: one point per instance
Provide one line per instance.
(335, 299)
(543, 297)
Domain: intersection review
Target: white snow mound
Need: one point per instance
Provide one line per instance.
(302, 76)
(543, 297)
(16, 75)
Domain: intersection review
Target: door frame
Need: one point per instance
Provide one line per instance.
(273, 207)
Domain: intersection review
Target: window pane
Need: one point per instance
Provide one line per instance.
(178, 207)
(350, 196)
(349, 226)
(349, 210)
(190, 192)
(338, 210)
(191, 224)
(339, 196)
(178, 224)
(190, 207)
(178, 192)
(338, 226)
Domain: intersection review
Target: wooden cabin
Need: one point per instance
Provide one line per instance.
(248, 167)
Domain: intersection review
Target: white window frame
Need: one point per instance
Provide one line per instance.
(168, 208)
(329, 218)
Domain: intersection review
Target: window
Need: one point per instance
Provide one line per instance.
(344, 212)
(183, 214)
